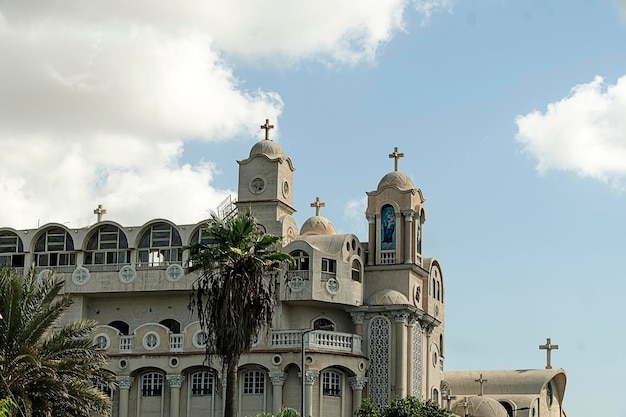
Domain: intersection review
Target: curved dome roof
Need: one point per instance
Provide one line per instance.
(480, 406)
(268, 148)
(387, 297)
(396, 179)
(318, 225)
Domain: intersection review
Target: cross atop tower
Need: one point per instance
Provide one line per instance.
(548, 347)
(396, 155)
(318, 204)
(480, 380)
(267, 126)
(99, 212)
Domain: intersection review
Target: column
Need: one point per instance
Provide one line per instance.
(124, 382)
(175, 382)
(373, 250)
(278, 380)
(411, 370)
(224, 381)
(408, 241)
(357, 383)
(428, 329)
(401, 362)
(309, 381)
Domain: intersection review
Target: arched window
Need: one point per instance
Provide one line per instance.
(122, 326)
(434, 291)
(324, 324)
(435, 395)
(173, 325)
(11, 250)
(420, 225)
(107, 246)
(202, 383)
(152, 384)
(253, 382)
(388, 235)
(331, 384)
(356, 270)
(55, 247)
(301, 261)
(508, 407)
(160, 245)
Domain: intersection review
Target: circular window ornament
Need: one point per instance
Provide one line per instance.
(44, 275)
(151, 340)
(435, 359)
(332, 286)
(296, 283)
(122, 363)
(199, 339)
(277, 360)
(174, 362)
(257, 185)
(81, 276)
(285, 189)
(127, 274)
(102, 341)
(174, 273)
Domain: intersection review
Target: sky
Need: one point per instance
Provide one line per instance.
(511, 115)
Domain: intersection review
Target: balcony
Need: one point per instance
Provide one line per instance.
(317, 339)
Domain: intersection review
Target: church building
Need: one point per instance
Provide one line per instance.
(370, 315)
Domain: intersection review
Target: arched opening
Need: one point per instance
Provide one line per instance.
(356, 270)
(173, 325)
(508, 407)
(107, 246)
(55, 247)
(324, 324)
(160, 245)
(11, 250)
(121, 326)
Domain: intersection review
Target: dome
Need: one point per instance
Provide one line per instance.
(268, 148)
(318, 225)
(387, 297)
(480, 406)
(396, 179)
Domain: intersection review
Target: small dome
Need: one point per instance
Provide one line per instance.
(387, 297)
(480, 406)
(318, 225)
(396, 179)
(268, 148)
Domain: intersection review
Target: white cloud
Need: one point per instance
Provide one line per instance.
(584, 132)
(354, 215)
(97, 99)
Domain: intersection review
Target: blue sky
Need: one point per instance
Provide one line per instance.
(517, 145)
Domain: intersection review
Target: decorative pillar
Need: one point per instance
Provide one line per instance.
(278, 380)
(357, 383)
(175, 381)
(408, 241)
(401, 362)
(124, 382)
(428, 329)
(371, 220)
(224, 380)
(358, 318)
(309, 381)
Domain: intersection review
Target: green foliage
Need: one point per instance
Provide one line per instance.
(45, 372)
(5, 407)
(404, 407)
(285, 412)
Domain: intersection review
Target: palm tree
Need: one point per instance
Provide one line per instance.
(234, 295)
(47, 370)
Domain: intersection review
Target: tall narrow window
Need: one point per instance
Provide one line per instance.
(254, 382)
(388, 235)
(152, 384)
(331, 384)
(202, 383)
(356, 270)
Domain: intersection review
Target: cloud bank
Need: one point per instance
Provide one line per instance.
(98, 99)
(584, 132)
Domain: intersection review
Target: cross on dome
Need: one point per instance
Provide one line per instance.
(396, 155)
(318, 205)
(548, 347)
(99, 212)
(481, 381)
(267, 126)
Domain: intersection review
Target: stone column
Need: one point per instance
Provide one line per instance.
(428, 329)
(401, 362)
(408, 241)
(175, 381)
(411, 370)
(224, 382)
(373, 250)
(278, 380)
(358, 318)
(357, 383)
(309, 381)
(124, 382)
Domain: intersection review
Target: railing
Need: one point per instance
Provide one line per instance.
(297, 273)
(176, 342)
(104, 267)
(126, 343)
(320, 339)
(63, 269)
(156, 264)
(388, 257)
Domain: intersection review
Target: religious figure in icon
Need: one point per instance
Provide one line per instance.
(388, 216)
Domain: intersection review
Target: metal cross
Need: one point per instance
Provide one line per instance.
(548, 348)
(318, 205)
(100, 211)
(396, 155)
(449, 397)
(481, 381)
(267, 126)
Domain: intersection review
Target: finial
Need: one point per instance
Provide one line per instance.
(317, 204)
(267, 126)
(396, 155)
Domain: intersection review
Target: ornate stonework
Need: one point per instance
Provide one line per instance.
(380, 333)
(277, 378)
(357, 382)
(175, 381)
(125, 382)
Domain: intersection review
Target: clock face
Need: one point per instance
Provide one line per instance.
(285, 188)
(257, 185)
